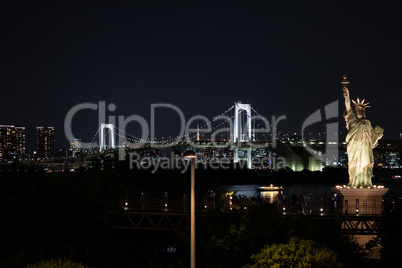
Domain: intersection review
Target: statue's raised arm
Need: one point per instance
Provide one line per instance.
(345, 83)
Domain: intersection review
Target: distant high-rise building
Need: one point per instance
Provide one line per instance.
(12, 142)
(45, 142)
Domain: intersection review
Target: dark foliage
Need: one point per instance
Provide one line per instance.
(56, 215)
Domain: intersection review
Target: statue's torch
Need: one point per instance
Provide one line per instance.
(345, 81)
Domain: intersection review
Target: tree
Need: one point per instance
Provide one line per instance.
(296, 253)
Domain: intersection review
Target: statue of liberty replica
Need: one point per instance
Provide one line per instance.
(360, 197)
(361, 140)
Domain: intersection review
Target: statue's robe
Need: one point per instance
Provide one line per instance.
(360, 150)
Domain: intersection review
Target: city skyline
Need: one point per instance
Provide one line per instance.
(283, 60)
(318, 133)
(13, 145)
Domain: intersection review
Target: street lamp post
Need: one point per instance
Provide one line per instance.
(191, 155)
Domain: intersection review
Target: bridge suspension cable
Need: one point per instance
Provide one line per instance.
(227, 114)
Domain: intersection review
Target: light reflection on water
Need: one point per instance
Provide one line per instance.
(271, 195)
(317, 189)
(250, 191)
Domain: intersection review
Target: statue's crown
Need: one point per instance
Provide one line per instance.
(361, 103)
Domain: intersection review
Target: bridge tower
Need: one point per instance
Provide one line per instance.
(102, 136)
(241, 130)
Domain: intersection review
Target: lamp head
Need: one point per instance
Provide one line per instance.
(189, 154)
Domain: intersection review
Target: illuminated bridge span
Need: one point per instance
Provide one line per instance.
(240, 128)
(239, 124)
(234, 124)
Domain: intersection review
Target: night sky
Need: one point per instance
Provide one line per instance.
(283, 59)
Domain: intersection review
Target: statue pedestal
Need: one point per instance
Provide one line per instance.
(362, 201)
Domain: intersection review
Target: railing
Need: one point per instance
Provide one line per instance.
(160, 202)
(169, 211)
(176, 202)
